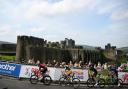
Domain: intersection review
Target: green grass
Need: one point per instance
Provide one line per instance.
(7, 58)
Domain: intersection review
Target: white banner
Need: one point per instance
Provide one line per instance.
(55, 73)
(58, 73)
(26, 70)
(123, 76)
(79, 73)
(51, 72)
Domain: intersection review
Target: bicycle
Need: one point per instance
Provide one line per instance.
(91, 81)
(37, 76)
(69, 80)
(114, 80)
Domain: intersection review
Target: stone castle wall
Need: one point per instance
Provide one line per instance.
(32, 47)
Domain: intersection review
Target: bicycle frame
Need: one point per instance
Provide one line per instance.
(36, 72)
(96, 81)
(113, 79)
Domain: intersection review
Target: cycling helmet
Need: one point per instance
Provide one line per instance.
(91, 65)
(42, 65)
(67, 67)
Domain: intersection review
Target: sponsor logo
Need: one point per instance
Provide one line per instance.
(7, 67)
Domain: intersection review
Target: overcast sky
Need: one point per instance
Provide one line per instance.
(89, 22)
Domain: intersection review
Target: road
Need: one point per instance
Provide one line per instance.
(12, 83)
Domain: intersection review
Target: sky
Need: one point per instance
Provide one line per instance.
(88, 22)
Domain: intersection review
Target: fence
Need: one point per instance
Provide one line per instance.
(24, 71)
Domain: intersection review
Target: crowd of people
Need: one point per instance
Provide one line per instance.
(111, 67)
(122, 68)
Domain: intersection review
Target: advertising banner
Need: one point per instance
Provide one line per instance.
(79, 73)
(55, 73)
(10, 69)
(58, 73)
(26, 70)
(123, 76)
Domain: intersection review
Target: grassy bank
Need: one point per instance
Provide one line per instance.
(7, 58)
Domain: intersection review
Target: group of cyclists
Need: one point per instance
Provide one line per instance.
(43, 69)
(92, 70)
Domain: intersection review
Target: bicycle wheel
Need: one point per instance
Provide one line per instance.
(62, 81)
(33, 79)
(91, 82)
(120, 83)
(101, 83)
(47, 80)
(76, 82)
(110, 83)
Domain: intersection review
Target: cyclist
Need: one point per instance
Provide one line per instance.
(68, 71)
(93, 72)
(42, 68)
(113, 71)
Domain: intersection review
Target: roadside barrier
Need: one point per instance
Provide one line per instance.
(55, 73)
(24, 71)
(10, 69)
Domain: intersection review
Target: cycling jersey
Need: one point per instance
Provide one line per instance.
(68, 71)
(43, 68)
(92, 72)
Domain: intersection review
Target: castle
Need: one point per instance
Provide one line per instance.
(39, 49)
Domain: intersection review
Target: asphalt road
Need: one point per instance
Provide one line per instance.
(12, 83)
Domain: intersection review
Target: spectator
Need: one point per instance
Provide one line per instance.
(80, 64)
(37, 62)
(30, 61)
(57, 64)
(121, 68)
(70, 64)
(63, 64)
(49, 64)
(33, 61)
(99, 67)
(54, 62)
(76, 64)
(105, 66)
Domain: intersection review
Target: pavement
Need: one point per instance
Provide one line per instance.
(7, 82)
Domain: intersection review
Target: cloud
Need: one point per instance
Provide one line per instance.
(116, 9)
(36, 8)
(115, 34)
(106, 7)
(37, 30)
(4, 30)
(120, 15)
(7, 33)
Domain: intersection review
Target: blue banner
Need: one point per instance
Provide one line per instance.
(10, 69)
